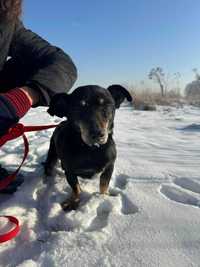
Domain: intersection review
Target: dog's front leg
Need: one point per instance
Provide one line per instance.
(105, 178)
(72, 203)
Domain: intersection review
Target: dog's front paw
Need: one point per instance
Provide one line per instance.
(70, 204)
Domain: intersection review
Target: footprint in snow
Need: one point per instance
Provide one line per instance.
(121, 181)
(127, 207)
(183, 190)
(94, 210)
(101, 219)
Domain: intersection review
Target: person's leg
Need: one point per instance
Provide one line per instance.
(12, 187)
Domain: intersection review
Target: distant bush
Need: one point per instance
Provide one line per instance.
(148, 99)
(192, 93)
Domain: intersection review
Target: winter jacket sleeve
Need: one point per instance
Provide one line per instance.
(48, 68)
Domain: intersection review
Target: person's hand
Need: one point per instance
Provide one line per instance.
(32, 95)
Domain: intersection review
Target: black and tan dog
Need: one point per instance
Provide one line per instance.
(84, 142)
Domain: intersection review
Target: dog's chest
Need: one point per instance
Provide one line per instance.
(88, 161)
(85, 161)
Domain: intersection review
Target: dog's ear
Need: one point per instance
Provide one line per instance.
(119, 93)
(59, 105)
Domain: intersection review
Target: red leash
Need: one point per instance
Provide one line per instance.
(15, 132)
(13, 233)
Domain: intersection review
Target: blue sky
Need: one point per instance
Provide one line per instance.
(119, 41)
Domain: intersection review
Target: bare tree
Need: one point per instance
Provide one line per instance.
(157, 75)
(177, 78)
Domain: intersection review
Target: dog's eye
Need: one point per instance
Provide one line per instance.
(83, 103)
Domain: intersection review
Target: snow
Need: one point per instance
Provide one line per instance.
(150, 218)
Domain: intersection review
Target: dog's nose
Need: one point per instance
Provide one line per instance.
(97, 134)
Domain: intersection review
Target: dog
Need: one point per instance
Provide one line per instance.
(84, 141)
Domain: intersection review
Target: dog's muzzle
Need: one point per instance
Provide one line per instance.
(94, 136)
(98, 139)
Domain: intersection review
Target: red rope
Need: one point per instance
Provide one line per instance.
(15, 132)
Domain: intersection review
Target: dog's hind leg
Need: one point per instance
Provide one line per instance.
(105, 178)
(51, 160)
(72, 203)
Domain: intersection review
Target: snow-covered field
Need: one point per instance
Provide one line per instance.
(151, 218)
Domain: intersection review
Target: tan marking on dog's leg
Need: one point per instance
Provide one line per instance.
(105, 179)
(103, 186)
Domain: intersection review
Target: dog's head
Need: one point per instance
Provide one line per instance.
(91, 110)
